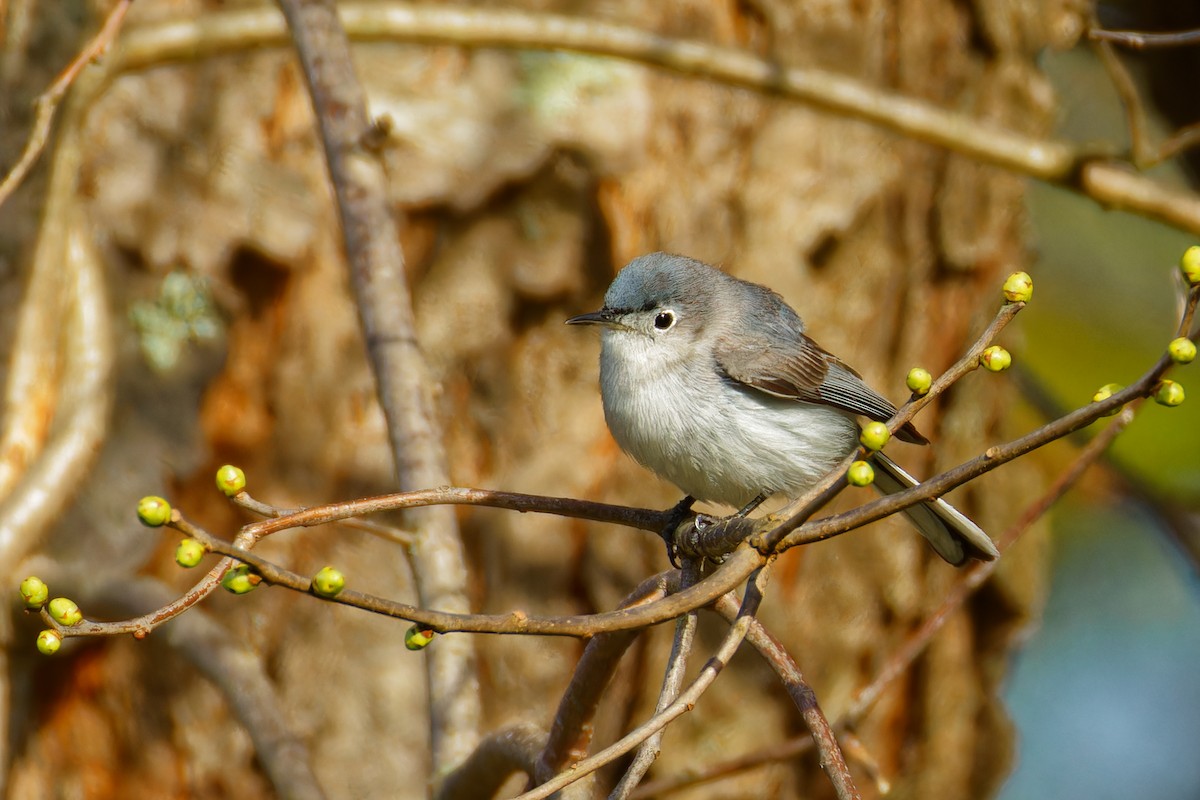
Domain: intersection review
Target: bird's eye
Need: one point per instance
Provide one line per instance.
(664, 320)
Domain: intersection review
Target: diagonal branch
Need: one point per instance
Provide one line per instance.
(47, 103)
(684, 703)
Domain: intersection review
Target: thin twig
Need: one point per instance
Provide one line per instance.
(1143, 154)
(1142, 40)
(571, 731)
(681, 648)
(48, 102)
(641, 518)
(978, 573)
(686, 701)
(799, 510)
(993, 457)
(776, 655)
(388, 533)
(737, 567)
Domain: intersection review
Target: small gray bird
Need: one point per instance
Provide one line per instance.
(710, 382)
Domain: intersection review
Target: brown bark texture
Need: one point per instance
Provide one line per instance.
(522, 182)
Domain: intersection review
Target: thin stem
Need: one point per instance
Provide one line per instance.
(681, 647)
(685, 702)
(47, 103)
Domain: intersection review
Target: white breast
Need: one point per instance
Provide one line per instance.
(714, 440)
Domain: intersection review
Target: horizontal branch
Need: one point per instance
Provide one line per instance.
(1143, 40)
(736, 568)
(640, 518)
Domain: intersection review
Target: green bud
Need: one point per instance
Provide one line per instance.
(860, 474)
(240, 580)
(1189, 264)
(417, 638)
(918, 381)
(153, 511)
(189, 553)
(1168, 393)
(328, 582)
(34, 592)
(1018, 288)
(231, 480)
(874, 436)
(1106, 391)
(49, 641)
(65, 612)
(995, 359)
(1182, 350)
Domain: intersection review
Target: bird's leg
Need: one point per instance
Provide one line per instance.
(681, 510)
(753, 504)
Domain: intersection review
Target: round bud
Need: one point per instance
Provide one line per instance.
(230, 480)
(1168, 393)
(995, 359)
(153, 511)
(919, 380)
(874, 435)
(1182, 350)
(860, 474)
(49, 641)
(1189, 264)
(1018, 288)
(189, 553)
(417, 638)
(328, 582)
(34, 592)
(1106, 391)
(64, 611)
(240, 580)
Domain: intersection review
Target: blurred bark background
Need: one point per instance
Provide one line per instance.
(523, 180)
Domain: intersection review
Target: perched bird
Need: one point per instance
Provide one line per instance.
(711, 382)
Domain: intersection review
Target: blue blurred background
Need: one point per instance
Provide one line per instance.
(1106, 695)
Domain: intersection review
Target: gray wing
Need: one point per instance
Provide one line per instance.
(788, 364)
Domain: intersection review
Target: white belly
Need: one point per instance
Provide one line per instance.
(714, 440)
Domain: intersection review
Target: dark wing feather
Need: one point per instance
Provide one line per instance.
(792, 366)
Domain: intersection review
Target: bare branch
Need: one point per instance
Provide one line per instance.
(571, 731)
(48, 102)
(994, 456)
(499, 755)
(402, 378)
(737, 567)
(1141, 40)
(685, 702)
(681, 647)
(641, 518)
(802, 694)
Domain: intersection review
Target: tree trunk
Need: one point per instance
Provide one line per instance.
(526, 180)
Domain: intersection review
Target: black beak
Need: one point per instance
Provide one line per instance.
(602, 317)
